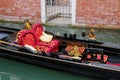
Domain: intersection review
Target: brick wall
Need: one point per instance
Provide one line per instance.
(63, 2)
(20, 9)
(88, 12)
(98, 12)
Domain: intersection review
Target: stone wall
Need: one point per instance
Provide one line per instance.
(18, 10)
(98, 13)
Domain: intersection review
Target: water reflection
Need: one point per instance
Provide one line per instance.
(9, 76)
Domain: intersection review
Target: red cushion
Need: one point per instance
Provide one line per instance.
(105, 57)
(37, 29)
(49, 46)
(26, 37)
(31, 37)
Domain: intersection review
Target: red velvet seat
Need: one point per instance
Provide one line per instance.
(31, 37)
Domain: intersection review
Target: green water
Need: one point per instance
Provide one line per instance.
(12, 70)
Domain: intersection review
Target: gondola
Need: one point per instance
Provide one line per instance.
(108, 69)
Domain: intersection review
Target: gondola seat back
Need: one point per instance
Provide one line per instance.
(31, 37)
(95, 54)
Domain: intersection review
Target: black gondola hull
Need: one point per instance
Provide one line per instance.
(93, 69)
(97, 70)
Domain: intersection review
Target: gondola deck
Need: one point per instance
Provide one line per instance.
(94, 69)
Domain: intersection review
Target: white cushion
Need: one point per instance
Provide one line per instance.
(45, 37)
(30, 48)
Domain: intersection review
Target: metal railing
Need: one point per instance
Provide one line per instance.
(58, 11)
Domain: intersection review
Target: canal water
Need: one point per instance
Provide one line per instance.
(13, 70)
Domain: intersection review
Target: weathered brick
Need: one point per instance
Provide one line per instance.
(102, 12)
(89, 12)
(20, 9)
